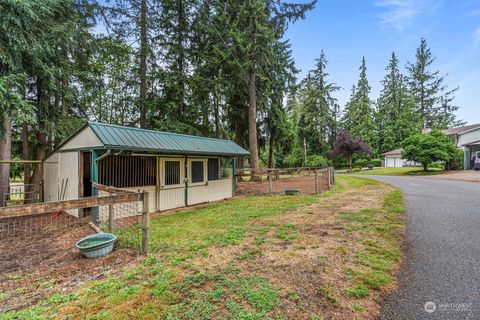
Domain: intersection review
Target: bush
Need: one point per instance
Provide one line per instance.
(365, 163)
(317, 162)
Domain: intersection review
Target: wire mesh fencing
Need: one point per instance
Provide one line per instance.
(37, 243)
(284, 181)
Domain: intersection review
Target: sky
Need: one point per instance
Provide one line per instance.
(349, 29)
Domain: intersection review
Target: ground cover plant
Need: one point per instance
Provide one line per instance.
(261, 257)
(410, 171)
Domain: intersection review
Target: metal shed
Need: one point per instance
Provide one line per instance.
(175, 169)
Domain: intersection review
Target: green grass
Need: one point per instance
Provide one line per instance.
(411, 171)
(169, 285)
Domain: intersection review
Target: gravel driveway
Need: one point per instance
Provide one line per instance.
(441, 270)
(464, 175)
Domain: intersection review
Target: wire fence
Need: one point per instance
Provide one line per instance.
(37, 243)
(304, 180)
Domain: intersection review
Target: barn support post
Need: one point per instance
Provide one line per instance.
(186, 181)
(145, 223)
(95, 211)
(234, 175)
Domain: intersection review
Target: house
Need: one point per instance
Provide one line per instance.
(393, 159)
(466, 138)
(175, 169)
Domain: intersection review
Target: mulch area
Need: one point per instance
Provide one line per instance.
(39, 258)
(305, 184)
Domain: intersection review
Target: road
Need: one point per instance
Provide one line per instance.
(441, 268)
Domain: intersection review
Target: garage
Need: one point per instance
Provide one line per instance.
(393, 159)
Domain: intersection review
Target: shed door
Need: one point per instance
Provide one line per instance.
(171, 183)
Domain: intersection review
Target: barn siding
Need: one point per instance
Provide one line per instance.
(84, 139)
(68, 168)
(215, 190)
(50, 178)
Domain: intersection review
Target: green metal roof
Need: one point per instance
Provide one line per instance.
(128, 138)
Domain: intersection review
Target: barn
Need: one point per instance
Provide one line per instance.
(175, 169)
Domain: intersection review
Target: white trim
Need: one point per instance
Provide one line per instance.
(162, 173)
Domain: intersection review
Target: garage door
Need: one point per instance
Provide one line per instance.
(393, 162)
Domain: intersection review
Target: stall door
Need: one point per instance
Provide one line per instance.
(171, 183)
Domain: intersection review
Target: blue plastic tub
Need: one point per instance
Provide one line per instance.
(96, 245)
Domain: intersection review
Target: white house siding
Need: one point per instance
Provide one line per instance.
(68, 169)
(123, 210)
(84, 139)
(50, 178)
(215, 190)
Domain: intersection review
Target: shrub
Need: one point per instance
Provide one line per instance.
(317, 161)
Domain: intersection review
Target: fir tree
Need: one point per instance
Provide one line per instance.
(395, 116)
(318, 109)
(358, 116)
(433, 100)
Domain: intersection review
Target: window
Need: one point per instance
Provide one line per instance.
(127, 171)
(197, 171)
(213, 169)
(172, 173)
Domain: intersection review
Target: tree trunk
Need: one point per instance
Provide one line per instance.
(64, 111)
(239, 141)
(5, 154)
(43, 99)
(425, 167)
(252, 109)
(350, 161)
(143, 64)
(180, 61)
(216, 115)
(270, 152)
(27, 169)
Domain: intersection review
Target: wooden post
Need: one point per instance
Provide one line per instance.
(110, 218)
(270, 181)
(316, 182)
(145, 223)
(328, 179)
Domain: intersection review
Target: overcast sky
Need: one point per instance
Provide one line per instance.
(350, 29)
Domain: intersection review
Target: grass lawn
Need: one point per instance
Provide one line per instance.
(411, 171)
(260, 257)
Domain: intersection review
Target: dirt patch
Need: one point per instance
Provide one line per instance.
(305, 252)
(39, 259)
(305, 185)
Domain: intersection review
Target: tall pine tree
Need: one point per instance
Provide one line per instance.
(433, 100)
(395, 117)
(358, 117)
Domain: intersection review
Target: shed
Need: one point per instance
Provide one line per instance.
(175, 169)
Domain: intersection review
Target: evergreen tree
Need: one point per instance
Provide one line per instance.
(358, 116)
(433, 100)
(395, 116)
(318, 109)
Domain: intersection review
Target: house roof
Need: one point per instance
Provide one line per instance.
(393, 152)
(135, 139)
(459, 130)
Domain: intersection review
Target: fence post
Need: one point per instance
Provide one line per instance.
(316, 181)
(145, 223)
(328, 179)
(110, 218)
(269, 181)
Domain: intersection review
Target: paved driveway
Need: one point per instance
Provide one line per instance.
(442, 260)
